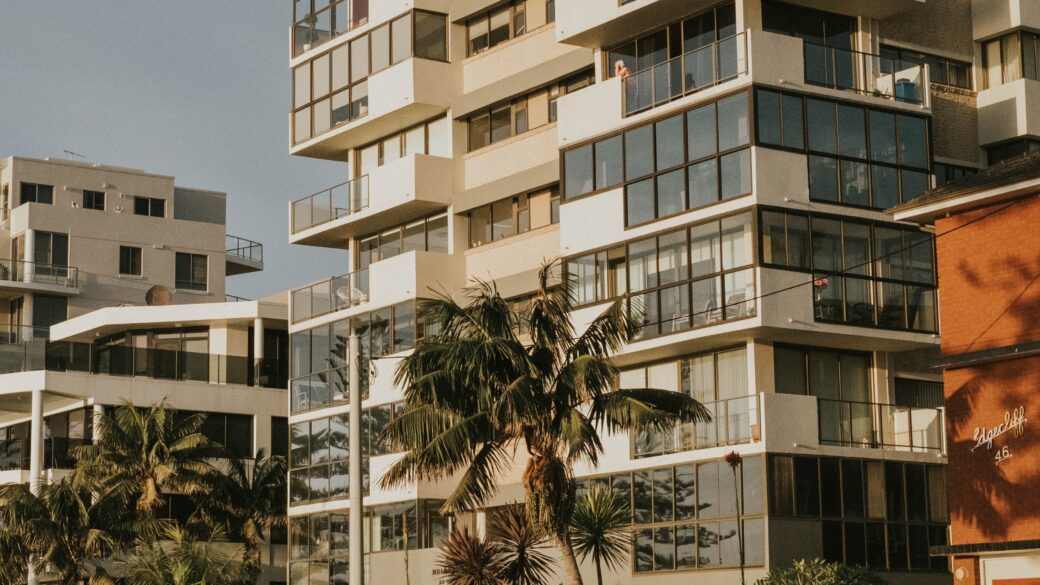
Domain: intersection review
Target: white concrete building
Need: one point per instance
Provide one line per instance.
(726, 163)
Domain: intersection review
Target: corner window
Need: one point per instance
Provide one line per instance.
(150, 206)
(1010, 58)
(36, 193)
(130, 260)
(94, 200)
(192, 271)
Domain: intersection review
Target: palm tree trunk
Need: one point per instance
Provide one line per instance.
(251, 561)
(599, 573)
(570, 564)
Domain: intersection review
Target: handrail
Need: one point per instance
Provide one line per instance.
(244, 248)
(329, 295)
(866, 73)
(39, 273)
(330, 204)
(733, 421)
(688, 73)
(879, 425)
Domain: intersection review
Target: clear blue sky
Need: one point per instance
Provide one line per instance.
(197, 89)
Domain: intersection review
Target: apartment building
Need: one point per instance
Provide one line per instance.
(114, 290)
(725, 164)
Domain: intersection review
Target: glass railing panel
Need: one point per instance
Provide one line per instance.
(879, 426)
(334, 294)
(866, 73)
(733, 421)
(332, 203)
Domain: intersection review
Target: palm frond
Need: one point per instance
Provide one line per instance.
(645, 409)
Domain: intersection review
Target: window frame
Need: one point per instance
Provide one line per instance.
(136, 255)
(90, 200)
(190, 284)
(516, 206)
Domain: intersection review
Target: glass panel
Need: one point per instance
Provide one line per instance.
(794, 131)
(639, 150)
(608, 163)
(733, 122)
(736, 173)
(671, 193)
(578, 171)
(823, 178)
(669, 143)
(704, 183)
(767, 116)
(821, 123)
(639, 198)
(701, 132)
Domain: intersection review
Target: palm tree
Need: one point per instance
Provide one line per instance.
(144, 452)
(61, 529)
(521, 548)
(476, 393)
(467, 559)
(600, 529)
(248, 497)
(178, 559)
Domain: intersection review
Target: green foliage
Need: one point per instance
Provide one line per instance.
(466, 559)
(179, 559)
(820, 572)
(522, 554)
(480, 390)
(600, 529)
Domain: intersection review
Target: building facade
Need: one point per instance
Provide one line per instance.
(725, 164)
(114, 291)
(987, 265)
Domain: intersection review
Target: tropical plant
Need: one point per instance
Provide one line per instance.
(466, 559)
(60, 530)
(600, 528)
(179, 559)
(820, 572)
(521, 548)
(144, 452)
(476, 393)
(736, 463)
(248, 497)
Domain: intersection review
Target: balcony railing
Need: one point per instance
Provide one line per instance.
(39, 273)
(332, 203)
(330, 295)
(865, 73)
(185, 366)
(694, 71)
(244, 249)
(314, 28)
(875, 425)
(733, 422)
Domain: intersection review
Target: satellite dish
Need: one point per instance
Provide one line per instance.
(158, 296)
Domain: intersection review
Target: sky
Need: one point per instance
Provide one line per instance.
(197, 89)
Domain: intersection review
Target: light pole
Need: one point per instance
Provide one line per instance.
(357, 559)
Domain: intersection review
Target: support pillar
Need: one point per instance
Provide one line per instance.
(258, 349)
(357, 558)
(35, 458)
(29, 255)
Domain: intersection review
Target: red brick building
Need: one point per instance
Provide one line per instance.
(988, 249)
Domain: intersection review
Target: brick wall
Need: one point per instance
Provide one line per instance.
(955, 123)
(943, 24)
(989, 277)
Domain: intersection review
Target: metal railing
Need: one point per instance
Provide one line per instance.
(877, 425)
(185, 366)
(330, 295)
(332, 203)
(320, 26)
(234, 298)
(39, 273)
(689, 73)
(244, 248)
(733, 421)
(865, 73)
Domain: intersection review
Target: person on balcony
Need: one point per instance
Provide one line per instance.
(621, 70)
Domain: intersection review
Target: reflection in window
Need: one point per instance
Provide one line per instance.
(512, 216)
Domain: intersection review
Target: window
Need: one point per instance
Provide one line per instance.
(317, 21)
(232, 431)
(683, 162)
(424, 235)
(280, 436)
(497, 26)
(534, 110)
(1009, 58)
(149, 206)
(430, 138)
(1009, 150)
(835, 136)
(947, 174)
(685, 517)
(864, 273)
(93, 200)
(50, 253)
(130, 260)
(47, 311)
(512, 216)
(696, 276)
(332, 89)
(192, 271)
(681, 39)
(941, 70)
(36, 193)
(717, 380)
(882, 514)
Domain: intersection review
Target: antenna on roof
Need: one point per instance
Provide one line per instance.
(70, 153)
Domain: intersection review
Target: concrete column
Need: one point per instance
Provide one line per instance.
(262, 433)
(29, 254)
(99, 411)
(258, 348)
(35, 458)
(357, 555)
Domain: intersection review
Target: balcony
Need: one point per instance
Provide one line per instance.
(875, 425)
(1009, 111)
(243, 256)
(865, 73)
(733, 422)
(312, 29)
(695, 71)
(395, 193)
(330, 295)
(20, 276)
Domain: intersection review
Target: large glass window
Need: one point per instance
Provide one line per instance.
(36, 193)
(941, 70)
(317, 21)
(503, 23)
(425, 235)
(687, 161)
(432, 138)
(192, 271)
(842, 169)
(864, 273)
(512, 216)
(1010, 57)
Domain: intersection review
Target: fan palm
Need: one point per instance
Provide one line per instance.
(179, 559)
(143, 452)
(476, 393)
(600, 529)
(521, 548)
(61, 529)
(248, 496)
